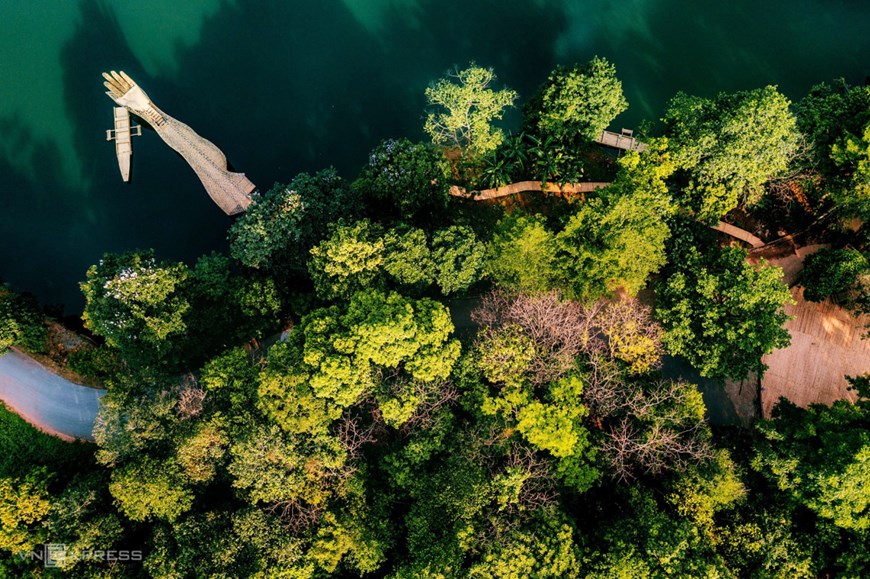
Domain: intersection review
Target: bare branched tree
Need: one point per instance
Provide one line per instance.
(296, 516)
(560, 330)
(353, 436)
(538, 489)
(604, 389)
(649, 428)
(654, 433)
(435, 395)
(190, 397)
(519, 463)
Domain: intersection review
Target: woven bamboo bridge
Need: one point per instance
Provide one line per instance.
(231, 191)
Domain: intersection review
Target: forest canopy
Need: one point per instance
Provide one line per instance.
(384, 379)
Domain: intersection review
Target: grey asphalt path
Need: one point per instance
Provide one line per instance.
(720, 408)
(49, 402)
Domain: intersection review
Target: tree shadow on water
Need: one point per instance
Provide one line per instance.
(280, 87)
(32, 233)
(164, 207)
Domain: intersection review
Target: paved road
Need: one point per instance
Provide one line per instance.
(49, 402)
(720, 407)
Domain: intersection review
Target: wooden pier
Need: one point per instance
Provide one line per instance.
(624, 140)
(122, 135)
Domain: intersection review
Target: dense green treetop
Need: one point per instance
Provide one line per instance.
(463, 108)
(459, 258)
(80, 520)
(543, 548)
(616, 239)
(136, 303)
(649, 541)
(728, 147)
(821, 458)
(21, 322)
(577, 101)
(24, 502)
(336, 355)
(348, 261)
(148, 489)
(409, 180)
(227, 308)
(408, 259)
(852, 154)
(829, 112)
(281, 225)
(720, 312)
(842, 274)
(363, 255)
(522, 254)
(834, 118)
(166, 315)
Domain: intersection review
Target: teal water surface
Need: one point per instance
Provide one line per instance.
(286, 86)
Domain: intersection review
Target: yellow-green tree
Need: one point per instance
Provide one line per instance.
(577, 101)
(24, 503)
(852, 154)
(148, 489)
(522, 255)
(820, 457)
(336, 356)
(463, 108)
(727, 148)
(137, 304)
(616, 239)
(720, 312)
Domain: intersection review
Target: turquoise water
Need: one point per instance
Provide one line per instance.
(294, 85)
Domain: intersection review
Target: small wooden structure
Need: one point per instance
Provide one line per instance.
(122, 135)
(624, 140)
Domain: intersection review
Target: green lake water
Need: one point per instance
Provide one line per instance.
(297, 85)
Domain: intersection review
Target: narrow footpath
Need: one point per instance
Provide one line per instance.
(47, 401)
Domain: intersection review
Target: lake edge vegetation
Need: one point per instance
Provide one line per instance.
(384, 380)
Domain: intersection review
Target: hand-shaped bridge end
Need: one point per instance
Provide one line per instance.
(125, 92)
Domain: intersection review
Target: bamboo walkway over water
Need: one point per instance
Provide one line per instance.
(231, 191)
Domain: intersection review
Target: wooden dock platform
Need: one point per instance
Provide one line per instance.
(624, 140)
(122, 135)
